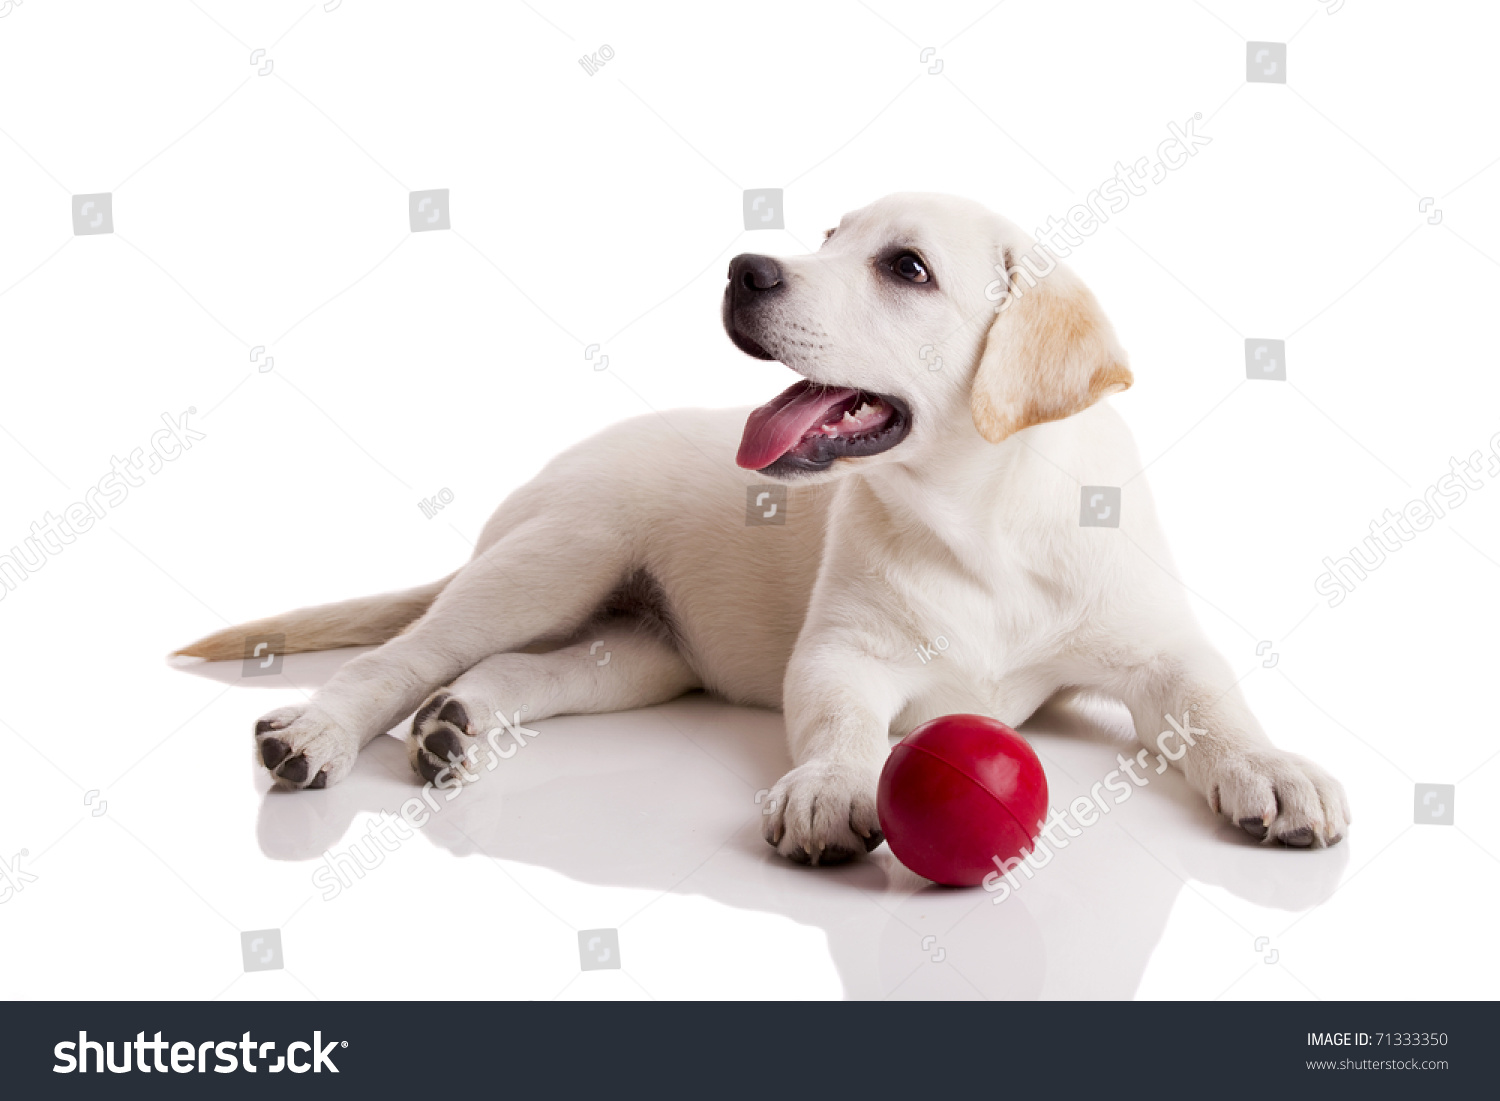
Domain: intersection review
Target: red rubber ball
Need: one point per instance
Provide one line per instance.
(956, 794)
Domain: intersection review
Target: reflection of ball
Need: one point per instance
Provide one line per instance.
(956, 794)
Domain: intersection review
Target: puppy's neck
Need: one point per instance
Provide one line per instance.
(956, 495)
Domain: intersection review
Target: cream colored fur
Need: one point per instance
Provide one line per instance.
(968, 529)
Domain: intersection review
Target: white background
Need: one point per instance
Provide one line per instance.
(271, 211)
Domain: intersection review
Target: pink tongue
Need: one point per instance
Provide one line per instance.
(777, 426)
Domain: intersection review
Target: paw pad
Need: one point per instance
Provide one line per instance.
(438, 735)
(295, 770)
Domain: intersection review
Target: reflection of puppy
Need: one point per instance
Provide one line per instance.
(933, 454)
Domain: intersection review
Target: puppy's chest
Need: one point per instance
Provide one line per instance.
(1014, 615)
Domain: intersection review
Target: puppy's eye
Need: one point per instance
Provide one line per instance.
(909, 266)
(827, 233)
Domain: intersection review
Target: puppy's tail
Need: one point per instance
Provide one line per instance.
(363, 621)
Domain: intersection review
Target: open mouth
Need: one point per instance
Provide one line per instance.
(807, 426)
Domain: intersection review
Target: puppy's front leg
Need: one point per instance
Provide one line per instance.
(839, 702)
(1188, 708)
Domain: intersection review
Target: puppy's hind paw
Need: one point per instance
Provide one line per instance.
(440, 735)
(302, 749)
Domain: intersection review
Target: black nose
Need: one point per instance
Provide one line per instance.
(749, 273)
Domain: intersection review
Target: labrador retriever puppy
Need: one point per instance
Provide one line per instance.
(929, 557)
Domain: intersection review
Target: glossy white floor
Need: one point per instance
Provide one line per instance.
(647, 823)
(367, 393)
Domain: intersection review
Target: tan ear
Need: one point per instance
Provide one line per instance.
(1050, 353)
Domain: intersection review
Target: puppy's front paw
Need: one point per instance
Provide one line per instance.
(303, 748)
(1275, 796)
(823, 813)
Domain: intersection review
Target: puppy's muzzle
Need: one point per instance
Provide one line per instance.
(753, 282)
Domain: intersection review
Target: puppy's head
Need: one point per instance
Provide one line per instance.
(922, 318)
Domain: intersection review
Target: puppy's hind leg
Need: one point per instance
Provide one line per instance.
(543, 579)
(620, 666)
